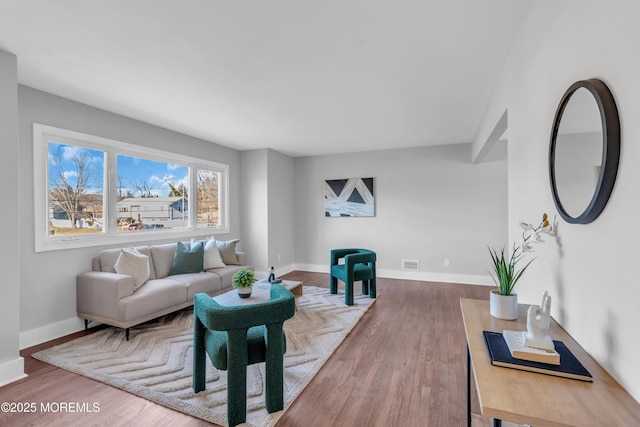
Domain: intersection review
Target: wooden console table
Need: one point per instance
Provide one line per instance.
(538, 399)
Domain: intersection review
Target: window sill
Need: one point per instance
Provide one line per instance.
(75, 242)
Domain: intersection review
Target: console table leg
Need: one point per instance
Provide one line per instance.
(468, 387)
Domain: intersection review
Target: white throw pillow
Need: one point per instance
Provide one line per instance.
(212, 258)
(134, 264)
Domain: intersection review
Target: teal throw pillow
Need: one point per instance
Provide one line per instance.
(188, 259)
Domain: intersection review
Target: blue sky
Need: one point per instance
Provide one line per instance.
(133, 170)
(157, 174)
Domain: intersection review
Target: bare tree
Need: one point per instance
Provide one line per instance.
(207, 196)
(143, 188)
(120, 187)
(70, 186)
(124, 192)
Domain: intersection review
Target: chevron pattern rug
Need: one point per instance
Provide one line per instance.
(156, 362)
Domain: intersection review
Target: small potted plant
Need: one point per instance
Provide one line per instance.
(242, 281)
(503, 301)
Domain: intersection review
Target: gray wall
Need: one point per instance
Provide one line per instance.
(431, 204)
(255, 219)
(282, 210)
(590, 270)
(11, 364)
(47, 279)
(268, 209)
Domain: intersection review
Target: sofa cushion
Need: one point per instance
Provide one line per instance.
(108, 258)
(188, 259)
(154, 296)
(228, 251)
(212, 258)
(134, 264)
(196, 283)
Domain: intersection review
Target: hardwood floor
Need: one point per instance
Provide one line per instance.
(404, 364)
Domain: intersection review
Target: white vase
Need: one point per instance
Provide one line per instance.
(503, 306)
(244, 292)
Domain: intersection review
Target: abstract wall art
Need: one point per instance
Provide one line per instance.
(349, 197)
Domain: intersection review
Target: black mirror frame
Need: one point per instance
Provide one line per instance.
(610, 149)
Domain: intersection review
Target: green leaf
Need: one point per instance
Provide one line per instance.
(505, 274)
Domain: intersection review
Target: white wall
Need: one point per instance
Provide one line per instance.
(255, 218)
(47, 279)
(282, 208)
(590, 270)
(431, 204)
(11, 364)
(268, 209)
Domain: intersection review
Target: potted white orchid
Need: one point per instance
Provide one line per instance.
(503, 301)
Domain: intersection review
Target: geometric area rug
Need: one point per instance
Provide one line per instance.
(156, 363)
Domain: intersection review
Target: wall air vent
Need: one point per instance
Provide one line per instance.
(411, 265)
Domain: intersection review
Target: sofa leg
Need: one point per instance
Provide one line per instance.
(86, 324)
(126, 333)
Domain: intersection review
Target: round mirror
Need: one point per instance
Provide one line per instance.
(584, 151)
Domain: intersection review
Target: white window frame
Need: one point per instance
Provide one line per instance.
(42, 134)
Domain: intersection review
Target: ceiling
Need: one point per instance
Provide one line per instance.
(301, 77)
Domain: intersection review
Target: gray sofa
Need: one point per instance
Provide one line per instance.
(108, 297)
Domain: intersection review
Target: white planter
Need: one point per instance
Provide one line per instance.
(244, 292)
(503, 306)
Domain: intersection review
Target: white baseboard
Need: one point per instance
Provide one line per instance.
(50, 332)
(314, 268)
(465, 279)
(12, 371)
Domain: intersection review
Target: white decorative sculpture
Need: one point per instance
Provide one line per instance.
(538, 320)
(272, 276)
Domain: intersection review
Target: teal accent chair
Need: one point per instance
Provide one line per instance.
(359, 265)
(237, 336)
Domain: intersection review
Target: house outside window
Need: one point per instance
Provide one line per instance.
(75, 189)
(95, 191)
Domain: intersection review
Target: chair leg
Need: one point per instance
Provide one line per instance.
(333, 285)
(237, 377)
(274, 369)
(348, 293)
(365, 287)
(372, 288)
(199, 357)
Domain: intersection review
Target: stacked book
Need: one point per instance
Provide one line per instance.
(508, 350)
(516, 343)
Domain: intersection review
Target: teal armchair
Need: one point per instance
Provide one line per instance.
(359, 265)
(237, 336)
